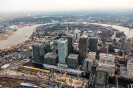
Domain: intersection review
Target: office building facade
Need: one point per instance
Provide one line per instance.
(62, 51)
(83, 48)
(38, 53)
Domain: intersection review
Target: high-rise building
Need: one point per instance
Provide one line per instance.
(62, 52)
(48, 46)
(38, 53)
(83, 48)
(128, 47)
(55, 46)
(122, 48)
(93, 44)
(0, 29)
(76, 35)
(67, 32)
(70, 43)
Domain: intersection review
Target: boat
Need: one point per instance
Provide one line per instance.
(28, 85)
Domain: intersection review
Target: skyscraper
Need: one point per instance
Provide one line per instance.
(93, 43)
(128, 47)
(76, 35)
(70, 43)
(62, 52)
(83, 48)
(122, 48)
(38, 53)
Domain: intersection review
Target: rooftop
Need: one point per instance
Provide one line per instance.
(73, 56)
(62, 40)
(50, 54)
(84, 36)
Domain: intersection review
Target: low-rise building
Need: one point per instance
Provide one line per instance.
(50, 58)
(130, 68)
(87, 66)
(106, 58)
(72, 61)
(92, 55)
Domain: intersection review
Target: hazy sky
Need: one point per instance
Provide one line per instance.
(62, 5)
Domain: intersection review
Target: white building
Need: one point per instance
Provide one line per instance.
(92, 55)
(106, 58)
(76, 35)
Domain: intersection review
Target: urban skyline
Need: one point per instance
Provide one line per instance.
(66, 44)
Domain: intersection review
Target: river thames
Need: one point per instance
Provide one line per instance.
(24, 33)
(20, 36)
(127, 31)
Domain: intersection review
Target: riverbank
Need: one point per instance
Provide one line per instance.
(24, 33)
(127, 31)
(20, 36)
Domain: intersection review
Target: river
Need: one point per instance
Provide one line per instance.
(20, 36)
(24, 33)
(128, 32)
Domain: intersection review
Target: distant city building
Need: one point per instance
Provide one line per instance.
(83, 48)
(55, 46)
(75, 48)
(38, 53)
(62, 52)
(114, 35)
(76, 35)
(48, 46)
(93, 44)
(128, 47)
(122, 47)
(67, 32)
(1, 29)
(72, 61)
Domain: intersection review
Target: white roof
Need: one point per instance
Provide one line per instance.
(71, 71)
(5, 66)
(84, 36)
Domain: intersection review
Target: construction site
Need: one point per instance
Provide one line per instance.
(17, 72)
